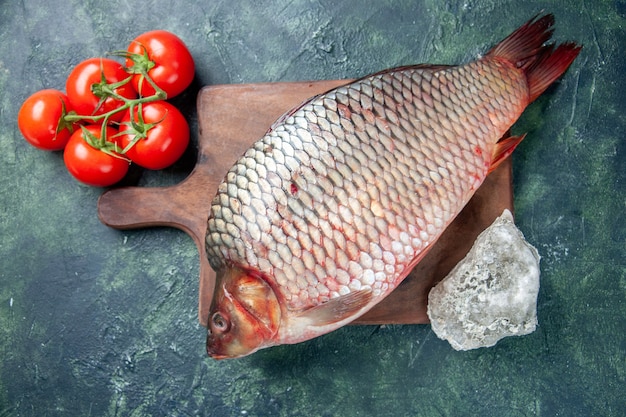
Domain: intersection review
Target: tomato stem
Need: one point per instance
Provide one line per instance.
(138, 129)
(63, 123)
(109, 148)
(104, 90)
(141, 64)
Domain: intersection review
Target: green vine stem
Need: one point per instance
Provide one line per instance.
(104, 90)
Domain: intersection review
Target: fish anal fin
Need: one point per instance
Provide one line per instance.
(337, 309)
(504, 148)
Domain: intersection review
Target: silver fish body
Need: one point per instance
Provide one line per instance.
(345, 194)
(347, 190)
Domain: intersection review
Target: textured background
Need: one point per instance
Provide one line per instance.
(98, 322)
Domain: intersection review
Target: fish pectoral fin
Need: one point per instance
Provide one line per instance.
(337, 309)
(504, 148)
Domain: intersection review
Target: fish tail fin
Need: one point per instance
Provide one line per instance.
(526, 49)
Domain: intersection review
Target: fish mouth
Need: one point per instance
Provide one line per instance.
(213, 351)
(218, 349)
(217, 356)
(212, 348)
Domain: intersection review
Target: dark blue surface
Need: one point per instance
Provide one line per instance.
(95, 321)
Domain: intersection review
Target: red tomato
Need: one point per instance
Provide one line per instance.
(86, 76)
(90, 165)
(39, 120)
(173, 69)
(163, 139)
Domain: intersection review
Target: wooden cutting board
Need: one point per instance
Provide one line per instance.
(231, 118)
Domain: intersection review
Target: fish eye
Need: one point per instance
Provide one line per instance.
(220, 323)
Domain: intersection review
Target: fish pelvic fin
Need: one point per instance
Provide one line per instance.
(527, 50)
(503, 149)
(337, 309)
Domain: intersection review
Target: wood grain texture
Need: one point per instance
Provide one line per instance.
(231, 118)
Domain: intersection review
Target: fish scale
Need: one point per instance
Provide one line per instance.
(364, 179)
(327, 213)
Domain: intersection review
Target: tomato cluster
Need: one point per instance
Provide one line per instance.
(112, 114)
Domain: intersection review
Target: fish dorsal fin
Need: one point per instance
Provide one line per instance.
(337, 309)
(291, 112)
(427, 67)
(504, 148)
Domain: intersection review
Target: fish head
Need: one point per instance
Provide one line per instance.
(244, 316)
